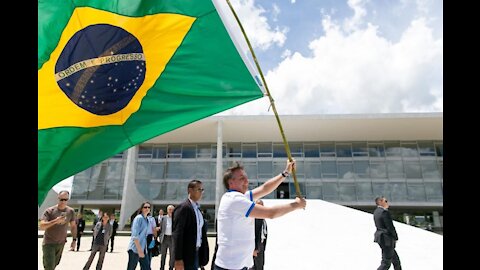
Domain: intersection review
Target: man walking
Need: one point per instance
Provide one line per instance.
(386, 235)
(55, 222)
(165, 239)
(190, 231)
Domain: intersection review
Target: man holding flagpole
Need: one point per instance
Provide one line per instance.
(237, 212)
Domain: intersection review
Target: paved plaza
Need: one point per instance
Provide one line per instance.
(117, 260)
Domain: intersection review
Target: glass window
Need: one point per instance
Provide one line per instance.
(84, 174)
(327, 149)
(360, 149)
(416, 192)
(409, 149)
(172, 190)
(395, 169)
(158, 170)
(265, 149)
(250, 169)
(279, 150)
(440, 168)
(249, 150)
(426, 148)
(361, 169)
(204, 151)
(145, 151)
(439, 149)
(189, 151)
(434, 192)
(174, 170)
(279, 167)
(143, 187)
(330, 191)
(143, 170)
(188, 170)
(234, 150)
(364, 191)
(378, 169)
(399, 191)
(430, 170)
(118, 155)
(381, 189)
(265, 169)
(313, 170)
(80, 188)
(344, 150)
(412, 169)
(376, 150)
(345, 170)
(114, 170)
(393, 149)
(313, 190)
(209, 193)
(347, 192)
(160, 151)
(296, 149)
(203, 170)
(162, 189)
(311, 150)
(329, 169)
(174, 151)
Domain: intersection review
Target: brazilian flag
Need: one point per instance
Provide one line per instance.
(115, 73)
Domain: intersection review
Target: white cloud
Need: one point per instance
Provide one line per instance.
(353, 23)
(358, 71)
(260, 33)
(275, 12)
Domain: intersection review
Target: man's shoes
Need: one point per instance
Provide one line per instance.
(111, 250)
(90, 250)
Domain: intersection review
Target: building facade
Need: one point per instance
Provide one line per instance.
(344, 159)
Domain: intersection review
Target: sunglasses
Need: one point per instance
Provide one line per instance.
(146, 207)
(63, 200)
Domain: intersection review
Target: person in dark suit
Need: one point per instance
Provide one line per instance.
(189, 231)
(80, 228)
(385, 235)
(260, 241)
(113, 222)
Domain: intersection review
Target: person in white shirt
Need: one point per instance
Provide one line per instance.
(165, 238)
(237, 212)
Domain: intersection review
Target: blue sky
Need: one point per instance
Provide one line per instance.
(346, 57)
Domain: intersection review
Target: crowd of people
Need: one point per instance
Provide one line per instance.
(182, 232)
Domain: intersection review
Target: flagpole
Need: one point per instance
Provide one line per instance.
(272, 102)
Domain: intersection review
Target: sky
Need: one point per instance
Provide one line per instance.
(346, 57)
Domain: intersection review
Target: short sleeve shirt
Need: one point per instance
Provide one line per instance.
(57, 234)
(236, 230)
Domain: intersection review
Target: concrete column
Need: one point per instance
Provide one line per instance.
(219, 189)
(131, 198)
(406, 218)
(436, 220)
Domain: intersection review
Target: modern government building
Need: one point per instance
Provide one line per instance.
(343, 159)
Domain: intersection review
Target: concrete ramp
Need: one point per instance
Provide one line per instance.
(328, 236)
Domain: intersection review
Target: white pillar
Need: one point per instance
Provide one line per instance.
(219, 189)
(131, 198)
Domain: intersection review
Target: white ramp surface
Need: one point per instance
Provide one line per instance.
(327, 236)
